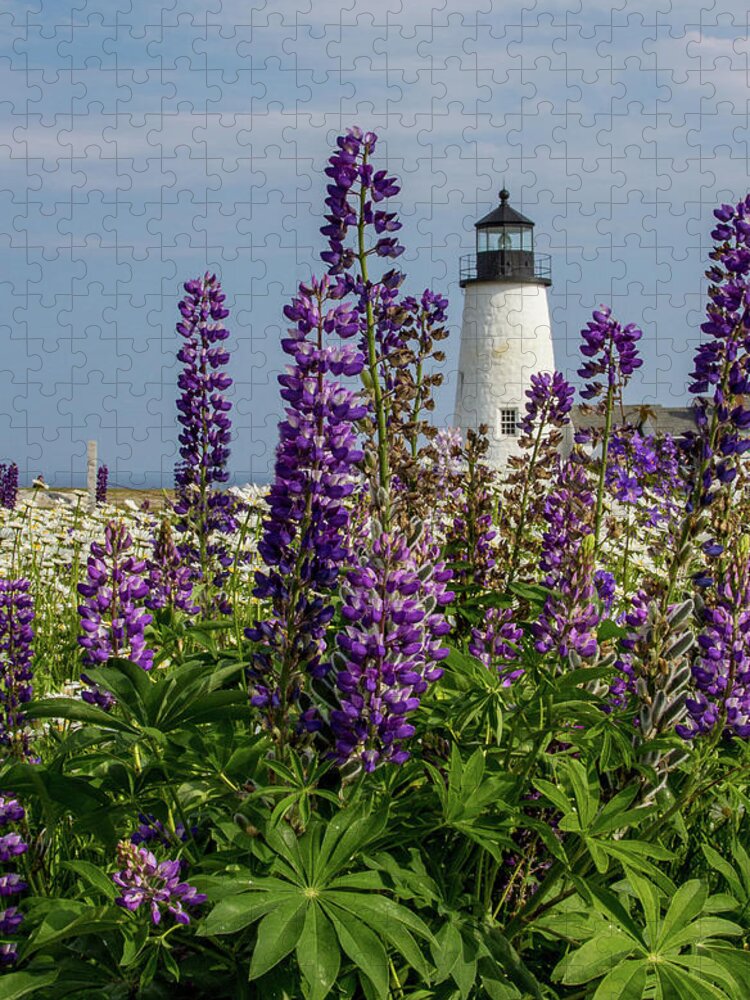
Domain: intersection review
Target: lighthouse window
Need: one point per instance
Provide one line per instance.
(509, 422)
(504, 238)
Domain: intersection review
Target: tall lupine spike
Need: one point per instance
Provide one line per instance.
(721, 668)
(470, 535)
(721, 377)
(549, 402)
(12, 846)
(113, 620)
(16, 636)
(612, 353)
(391, 647)
(203, 411)
(569, 620)
(304, 541)
(102, 480)
(352, 197)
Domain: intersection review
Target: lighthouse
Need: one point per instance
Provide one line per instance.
(505, 328)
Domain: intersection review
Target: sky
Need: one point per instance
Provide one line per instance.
(143, 144)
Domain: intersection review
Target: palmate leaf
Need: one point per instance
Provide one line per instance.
(680, 955)
(352, 915)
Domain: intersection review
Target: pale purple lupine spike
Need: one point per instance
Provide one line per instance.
(170, 581)
(156, 884)
(113, 618)
(497, 644)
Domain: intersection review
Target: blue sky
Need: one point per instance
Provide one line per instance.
(142, 144)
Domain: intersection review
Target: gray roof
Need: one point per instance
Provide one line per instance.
(653, 419)
(503, 215)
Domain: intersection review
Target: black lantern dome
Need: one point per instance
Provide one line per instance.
(505, 249)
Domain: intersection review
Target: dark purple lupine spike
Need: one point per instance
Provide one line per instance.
(569, 619)
(12, 846)
(113, 619)
(351, 174)
(102, 479)
(612, 351)
(721, 669)
(144, 880)
(203, 412)
(391, 647)
(304, 541)
(170, 583)
(721, 377)
(549, 402)
(8, 485)
(16, 636)
(497, 644)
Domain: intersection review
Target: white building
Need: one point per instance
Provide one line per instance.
(505, 329)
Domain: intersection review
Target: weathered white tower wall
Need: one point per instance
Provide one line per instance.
(505, 337)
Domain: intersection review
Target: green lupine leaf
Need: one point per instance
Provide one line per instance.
(678, 985)
(318, 954)
(685, 905)
(722, 866)
(365, 950)
(94, 876)
(278, 934)
(596, 957)
(14, 985)
(627, 981)
(234, 913)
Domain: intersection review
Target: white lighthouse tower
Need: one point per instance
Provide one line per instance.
(505, 329)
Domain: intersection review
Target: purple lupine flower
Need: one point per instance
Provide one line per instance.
(569, 619)
(16, 636)
(391, 647)
(203, 412)
(606, 588)
(721, 377)
(152, 829)
(635, 618)
(113, 620)
(612, 350)
(170, 582)
(102, 478)
(721, 670)
(549, 402)
(353, 178)
(143, 879)
(12, 846)
(497, 644)
(8, 485)
(642, 466)
(304, 541)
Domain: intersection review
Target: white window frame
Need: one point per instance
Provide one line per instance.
(505, 415)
